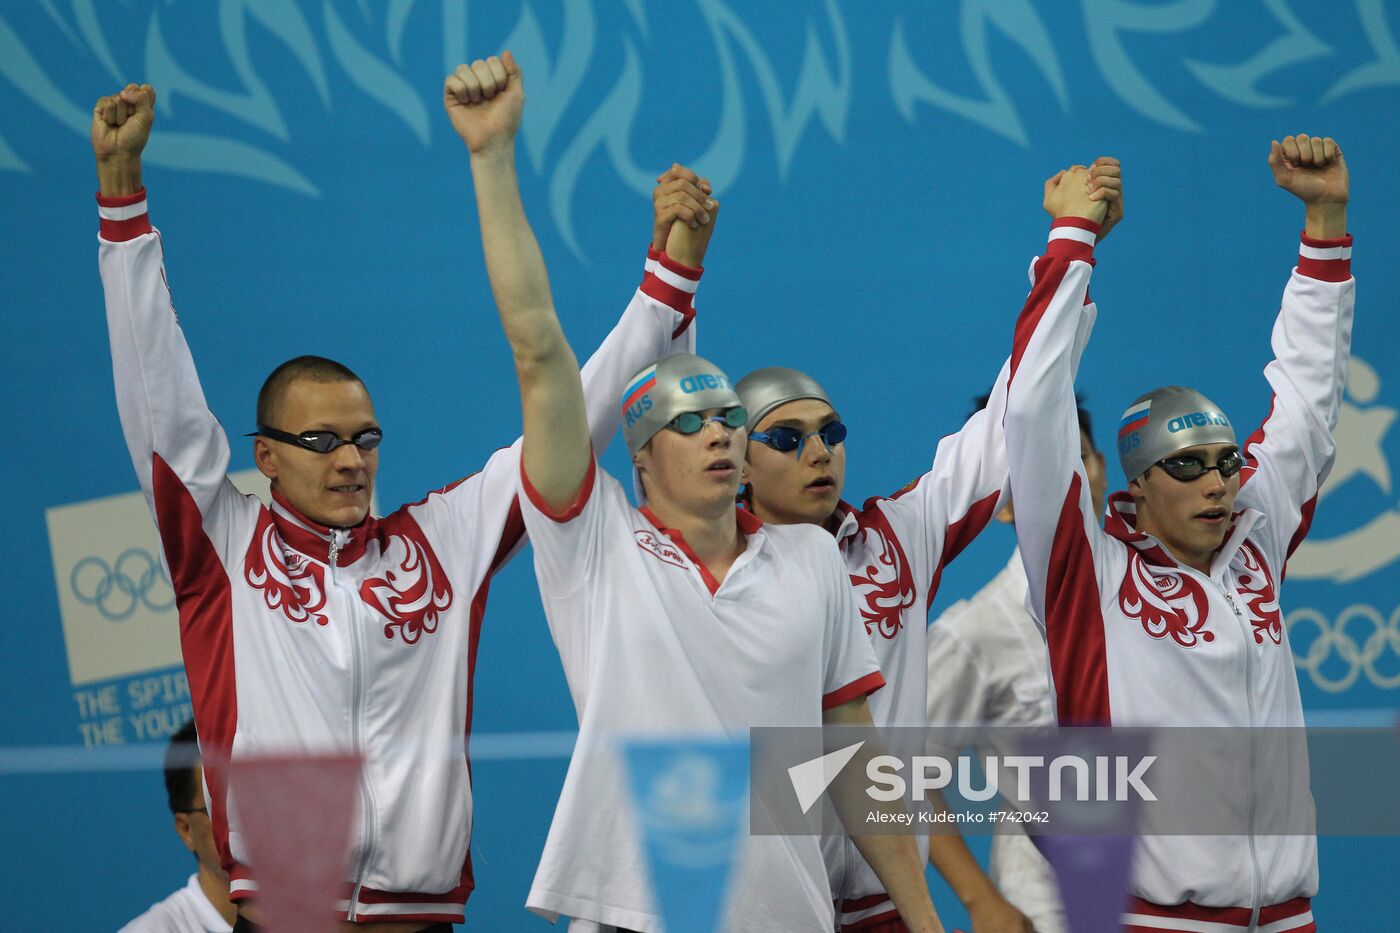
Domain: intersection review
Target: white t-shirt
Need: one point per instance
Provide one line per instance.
(650, 644)
(186, 911)
(987, 665)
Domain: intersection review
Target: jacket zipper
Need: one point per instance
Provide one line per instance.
(1253, 751)
(357, 718)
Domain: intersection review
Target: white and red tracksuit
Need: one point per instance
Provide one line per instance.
(895, 549)
(301, 637)
(1135, 638)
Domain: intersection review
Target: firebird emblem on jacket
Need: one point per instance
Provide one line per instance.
(1256, 589)
(887, 585)
(414, 592)
(299, 594)
(1166, 603)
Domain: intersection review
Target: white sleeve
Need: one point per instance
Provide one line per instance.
(1290, 454)
(941, 512)
(850, 668)
(1065, 552)
(657, 322)
(178, 448)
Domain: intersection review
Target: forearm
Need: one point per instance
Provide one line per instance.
(896, 862)
(1325, 220)
(951, 857)
(514, 264)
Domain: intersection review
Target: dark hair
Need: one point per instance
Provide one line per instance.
(181, 758)
(315, 368)
(1086, 424)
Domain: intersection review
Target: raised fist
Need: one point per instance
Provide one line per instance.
(1310, 167)
(1106, 184)
(121, 123)
(1067, 195)
(485, 100)
(680, 194)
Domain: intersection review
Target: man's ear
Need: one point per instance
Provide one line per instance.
(182, 829)
(262, 456)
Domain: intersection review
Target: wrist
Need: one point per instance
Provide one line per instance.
(493, 150)
(1325, 220)
(118, 175)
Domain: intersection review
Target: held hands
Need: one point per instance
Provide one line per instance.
(683, 215)
(484, 100)
(1106, 184)
(1067, 194)
(680, 194)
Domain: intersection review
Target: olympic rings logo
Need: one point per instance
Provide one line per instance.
(135, 579)
(1381, 638)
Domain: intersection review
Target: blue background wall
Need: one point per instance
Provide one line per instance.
(880, 168)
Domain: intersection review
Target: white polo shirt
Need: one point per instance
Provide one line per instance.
(652, 644)
(188, 910)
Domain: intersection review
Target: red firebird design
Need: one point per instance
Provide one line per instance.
(415, 591)
(300, 594)
(886, 587)
(1256, 590)
(1167, 602)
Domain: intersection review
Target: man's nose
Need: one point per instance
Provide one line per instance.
(816, 452)
(348, 457)
(1213, 484)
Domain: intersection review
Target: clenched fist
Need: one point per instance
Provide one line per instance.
(1313, 170)
(484, 101)
(121, 124)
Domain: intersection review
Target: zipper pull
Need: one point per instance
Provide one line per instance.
(1229, 598)
(335, 545)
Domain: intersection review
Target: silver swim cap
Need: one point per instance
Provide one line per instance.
(765, 389)
(1164, 421)
(671, 386)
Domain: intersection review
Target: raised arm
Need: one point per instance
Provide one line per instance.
(485, 101)
(659, 319)
(947, 507)
(1056, 527)
(179, 450)
(1288, 458)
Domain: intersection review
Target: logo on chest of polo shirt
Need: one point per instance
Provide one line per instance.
(289, 584)
(661, 550)
(1257, 598)
(886, 587)
(1166, 603)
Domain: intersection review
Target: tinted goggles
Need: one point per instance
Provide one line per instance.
(689, 422)
(784, 439)
(322, 442)
(1189, 467)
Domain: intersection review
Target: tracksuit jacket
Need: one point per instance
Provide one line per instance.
(1137, 639)
(300, 637)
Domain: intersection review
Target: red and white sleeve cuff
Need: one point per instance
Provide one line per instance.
(1073, 238)
(673, 284)
(569, 511)
(853, 690)
(1325, 260)
(123, 218)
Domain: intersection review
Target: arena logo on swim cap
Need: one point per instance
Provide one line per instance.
(1196, 419)
(702, 381)
(1134, 419)
(635, 401)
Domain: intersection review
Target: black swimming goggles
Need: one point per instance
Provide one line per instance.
(1188, 467)
(322, 442)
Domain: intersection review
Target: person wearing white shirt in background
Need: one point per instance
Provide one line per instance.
(202, 905)
(679, 618)
(987, 666)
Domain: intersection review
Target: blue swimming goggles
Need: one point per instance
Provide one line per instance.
(784, 439)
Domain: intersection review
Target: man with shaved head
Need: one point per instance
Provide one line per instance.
(309, 623)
